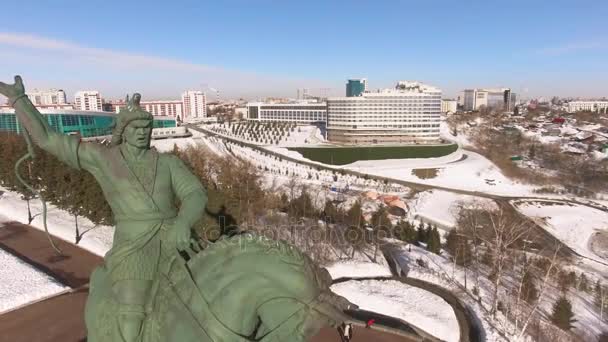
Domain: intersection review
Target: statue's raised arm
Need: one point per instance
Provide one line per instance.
(62, 146)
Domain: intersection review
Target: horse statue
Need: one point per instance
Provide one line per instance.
(241, 288)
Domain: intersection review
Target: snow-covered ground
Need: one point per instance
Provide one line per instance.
(359, 268)
(572, 224)
(393, 298)
(166, 145)
(442, 207)
(472, 173)
(97, 239)
(20, 283)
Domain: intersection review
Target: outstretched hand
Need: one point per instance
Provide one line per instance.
(12, 90)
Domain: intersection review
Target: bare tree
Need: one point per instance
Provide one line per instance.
(543, 290)
(501, 231)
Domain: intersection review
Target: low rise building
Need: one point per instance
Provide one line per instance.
(449, 106)
(172, 108)
(299, 112)
(592, 106)
(79, 122)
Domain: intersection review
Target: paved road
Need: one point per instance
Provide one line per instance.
(470, 330)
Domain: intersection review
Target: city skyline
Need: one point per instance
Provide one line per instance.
(258, 49)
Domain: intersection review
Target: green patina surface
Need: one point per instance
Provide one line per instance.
(157, 283)
(348, 155)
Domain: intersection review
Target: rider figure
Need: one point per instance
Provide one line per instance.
(141, 186)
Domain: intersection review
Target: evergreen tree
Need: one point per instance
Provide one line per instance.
(421, 233)
(529, 292)
(458, 246)
(354, 216)
(583, 284)
(404, 231)
(302, 206)
(566, 280)
(599, 295)
(427, 233)
(330, 212)
(562, 315)
(434, 241)
(355, 233)
(380, 220)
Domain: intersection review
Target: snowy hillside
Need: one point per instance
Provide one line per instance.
(574, 225)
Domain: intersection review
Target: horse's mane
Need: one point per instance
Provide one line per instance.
(252, 243)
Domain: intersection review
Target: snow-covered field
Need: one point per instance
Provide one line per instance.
(442, 207)
(472, 173)
(20, 283)
(97, 239)
(393, 298)
(359, 267)
(166, 145)
(572, 224)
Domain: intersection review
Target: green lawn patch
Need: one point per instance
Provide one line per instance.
(347, 155)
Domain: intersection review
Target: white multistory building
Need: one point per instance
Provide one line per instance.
(303, 93)
(303, 112)
(500, 98)
(408, 113)
(195, 104)
(47, 97)
(88, 100)
(172, 108)
(592, 106)
(449, 106)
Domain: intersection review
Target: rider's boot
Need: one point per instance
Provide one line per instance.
(130, 321)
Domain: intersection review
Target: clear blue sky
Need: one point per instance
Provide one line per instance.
(254, 48)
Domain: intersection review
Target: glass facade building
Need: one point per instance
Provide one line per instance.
(84, 123)
(356, 87)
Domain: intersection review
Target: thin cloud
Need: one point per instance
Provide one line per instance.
(115, 71)
(107, 56)
(572, 48)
